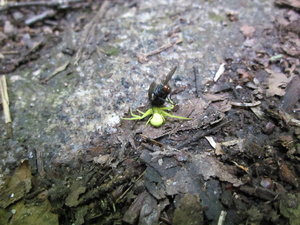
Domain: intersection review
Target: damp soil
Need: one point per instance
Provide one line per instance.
(73, 70)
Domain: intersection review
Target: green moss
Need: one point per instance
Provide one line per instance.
(290, 208)
(110, 50)
(215, 17)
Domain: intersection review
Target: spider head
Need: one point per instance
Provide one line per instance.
(157, 119)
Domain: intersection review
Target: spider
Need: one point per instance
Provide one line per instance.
(157, 117)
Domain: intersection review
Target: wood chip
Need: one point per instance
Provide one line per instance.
(5, 99)
(219, 72)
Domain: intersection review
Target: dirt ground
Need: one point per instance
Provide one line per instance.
(71, 71)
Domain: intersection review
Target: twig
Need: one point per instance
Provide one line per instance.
(40, 162)
(40, 17)
(129, 188)
(222, 217)
(200, 134)
(295, 4)
(57, 71)
(151, 140)
(5, 103)
(142, 57)
(165, 220)
(219, 72)
(240, 104)
(149, 147)
(5, 99)
(198, 82)
(10, 5)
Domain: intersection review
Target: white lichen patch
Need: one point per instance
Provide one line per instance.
(112, 120)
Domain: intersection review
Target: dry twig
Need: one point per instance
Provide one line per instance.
(40, 17)
(222, 218)
(198, 82)
(241, 104)
(5, 99)
(57, 71)
(142, 57)
(11, 5)
(5, 103)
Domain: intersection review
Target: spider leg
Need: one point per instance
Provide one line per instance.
(169, 100)
(137, 117)
(134, 115)
(149, 120)
(143, 112)
(173, 116)
(166, 108)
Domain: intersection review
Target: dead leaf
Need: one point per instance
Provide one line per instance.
(287, 175)
(277, 83)
(244, 75)
(17, 186)
(208, 166)
(101, 159)
(73, 198)
(291, 96)
(217, 97)
(247, 31)
(218, 150)
(36, 213)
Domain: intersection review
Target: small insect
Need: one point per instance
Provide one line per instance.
(158, 94)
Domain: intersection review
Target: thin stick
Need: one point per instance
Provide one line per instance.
(222, 218)
(198, 82)
(57, 71)
(10, 5)
(251, 104)
(40, 17)
(142, 57)
(129, 188)
(5, 99)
